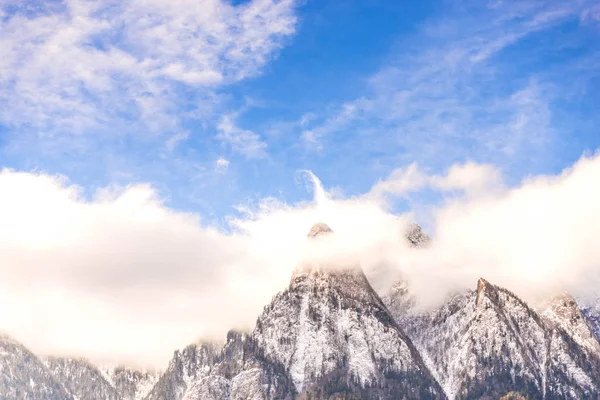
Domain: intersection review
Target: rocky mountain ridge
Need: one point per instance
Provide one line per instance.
(488, 342)
(26, 376)
(329, 335)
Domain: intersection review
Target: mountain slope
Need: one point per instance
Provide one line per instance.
(563, 312)
(333, 334)
(591, 313)
(490, 342)
(81, 379)
(574, 352)
(236, 370)
(24, 376)
(130, 384)
(327, 333)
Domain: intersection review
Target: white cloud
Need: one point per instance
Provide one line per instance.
(474, 179)
(400, 182)
(122, 276)
(444, 94)
(177, 138)
(338, 121)
(470, 178)
(221, 165)
(591, 14)
(243, 141)
(75, 65)
(534, 238)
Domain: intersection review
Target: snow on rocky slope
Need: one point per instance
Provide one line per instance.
(236, 370)
(329, 328)
(130, 384)
(81, 379)
(591, 312)
(564, 312)
(488, 341)
(416, 237)
(328, 333)
(24, 376)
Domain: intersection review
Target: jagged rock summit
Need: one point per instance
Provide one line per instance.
(327, 334)
(490, 342)
(333, 335)
(319, 229)
(416, 237)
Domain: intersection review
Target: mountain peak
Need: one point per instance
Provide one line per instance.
(319, 228)
(564, 312)
(329, 322)
(481, 284)
(416, 237)
(482, 291)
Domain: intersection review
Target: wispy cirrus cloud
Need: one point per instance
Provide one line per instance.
(81, 65)
(115, 92)
(346, 114)
(242, 141)
(448, 93)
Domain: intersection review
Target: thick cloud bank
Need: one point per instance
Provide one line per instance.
(122, 277)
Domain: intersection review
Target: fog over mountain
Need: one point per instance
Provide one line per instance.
(119, 276)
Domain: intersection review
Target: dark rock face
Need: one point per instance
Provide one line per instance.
(591, 313)
(416, 237)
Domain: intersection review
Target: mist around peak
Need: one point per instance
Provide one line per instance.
(123, 277)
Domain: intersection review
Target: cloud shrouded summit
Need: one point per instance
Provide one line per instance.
(319, 229)
(121, 276)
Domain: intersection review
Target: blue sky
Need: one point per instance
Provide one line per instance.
(219, 104)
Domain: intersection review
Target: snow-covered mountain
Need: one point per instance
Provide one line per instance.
(130, 384)
(488, 341)
(563, 312)
(333, 334)
(416, 237)
(83, 380)
(24, 376)
(236, 370)
(329, 335)
(591, 312)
